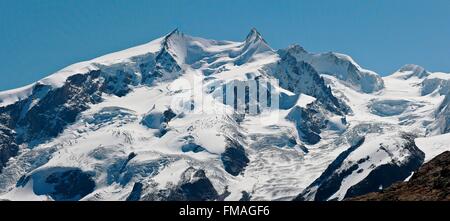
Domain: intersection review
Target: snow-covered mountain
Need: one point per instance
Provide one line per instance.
(340, 66)
(187, 118)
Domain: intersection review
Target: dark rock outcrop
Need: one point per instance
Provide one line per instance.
(53, 109)
(234, 158)
(60, 107)
(194, 185)
(443, 116)
(70, 185)
(164, 60)
(8, 147)
(309, 122)
(245, 196)
(159, 120)
(192, 147)
(136, 192)
(301, 77)
(340, 66)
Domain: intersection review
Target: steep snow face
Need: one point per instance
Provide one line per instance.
(433, 145)
(436, 83)
(254, 44)
(367, 166)
(301, 77)
(442, 115)
(341, 66)
(11, 96)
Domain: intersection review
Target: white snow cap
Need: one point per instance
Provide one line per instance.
(412, 70)
(412, 67)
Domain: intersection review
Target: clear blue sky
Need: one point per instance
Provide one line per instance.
(38, 38)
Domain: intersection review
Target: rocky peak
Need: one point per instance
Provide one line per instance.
(412, 70)
(172, 35)
(295, 48)
(254, 36)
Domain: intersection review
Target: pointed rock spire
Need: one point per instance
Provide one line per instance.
(254, 36)
(172, 34)
(176, 31)
(168, 59)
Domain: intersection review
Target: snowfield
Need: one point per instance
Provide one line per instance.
(433, 145)
(187, 118)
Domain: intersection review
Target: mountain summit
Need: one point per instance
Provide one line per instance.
(254, 36)
(412, 70)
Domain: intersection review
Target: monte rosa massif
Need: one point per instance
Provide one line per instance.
(173, 120)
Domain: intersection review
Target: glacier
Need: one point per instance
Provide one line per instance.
(187, 118)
